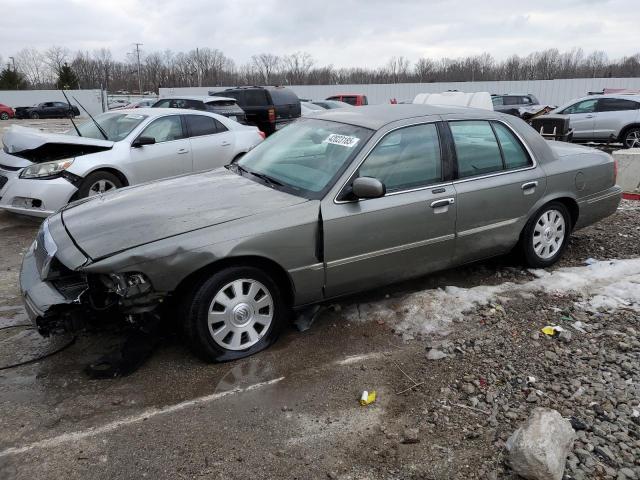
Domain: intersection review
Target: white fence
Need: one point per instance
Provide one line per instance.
(92, 100)
(552, 92)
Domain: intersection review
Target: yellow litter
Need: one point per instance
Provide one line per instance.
(367, 397)
(552, 330)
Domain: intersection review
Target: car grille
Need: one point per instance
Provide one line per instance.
(3, 180)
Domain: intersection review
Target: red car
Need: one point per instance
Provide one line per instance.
(352, 99)
(6, 112)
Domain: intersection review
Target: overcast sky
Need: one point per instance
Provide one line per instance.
(343, 33)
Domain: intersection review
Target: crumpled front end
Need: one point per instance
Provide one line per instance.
(51, 292)
(59, 296)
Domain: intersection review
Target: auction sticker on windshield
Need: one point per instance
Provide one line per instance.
(343, 140)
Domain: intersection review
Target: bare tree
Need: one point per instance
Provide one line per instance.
(267, 65)
(31, 63)
(297, 67)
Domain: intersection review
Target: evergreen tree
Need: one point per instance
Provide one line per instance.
(12, 80)
(66, 78)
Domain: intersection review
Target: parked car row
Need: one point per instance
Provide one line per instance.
(335, 203)
(41, 110)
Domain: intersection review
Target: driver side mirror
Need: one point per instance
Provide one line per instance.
(368, 187)
(141, 141)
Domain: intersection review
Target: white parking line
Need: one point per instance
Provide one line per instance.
(359, 358)
(149, 413)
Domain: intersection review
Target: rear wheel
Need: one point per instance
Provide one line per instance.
(34, 115)
(545, 236)
(97, 183)
(631, 138)
(235, 313)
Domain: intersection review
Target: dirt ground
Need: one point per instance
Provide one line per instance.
(293, 412)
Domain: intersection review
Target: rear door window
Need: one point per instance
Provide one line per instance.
(200, 125)
(406, 158)
(476, 147)
(350, 99)
(497, 101)
(515, 156)
(616, 105)
(511, 100)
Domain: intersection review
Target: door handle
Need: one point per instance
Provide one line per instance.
(589, 116)
(529, 185)
(445, 202)
(225, 144)
(182, 150)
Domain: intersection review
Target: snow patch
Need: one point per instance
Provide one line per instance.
(602, 286)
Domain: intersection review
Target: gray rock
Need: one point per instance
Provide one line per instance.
(410, 435)
(435, 354)
(538, 450)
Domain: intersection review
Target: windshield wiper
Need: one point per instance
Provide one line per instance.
(262, 176)
(104, 134)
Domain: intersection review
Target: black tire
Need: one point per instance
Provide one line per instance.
(34, 115)
(4, 116)
(237, 157)
(631, 138)
(196, 308)
(88, 184)
(532, 239)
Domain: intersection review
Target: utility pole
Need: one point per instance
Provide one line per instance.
(13, 60)
(198, 65)
(139, 76)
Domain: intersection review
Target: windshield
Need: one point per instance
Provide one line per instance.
(117, 126)
(304, 157)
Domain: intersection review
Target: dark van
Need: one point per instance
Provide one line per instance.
(268, 108)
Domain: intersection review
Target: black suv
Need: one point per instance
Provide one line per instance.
(510, 103)
(268, 108)
(222, 106)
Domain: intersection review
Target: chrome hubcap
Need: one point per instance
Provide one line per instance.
(548, 234)
(632, 139)
(240, 314)
(100, 187)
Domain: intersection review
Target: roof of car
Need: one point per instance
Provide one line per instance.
(376, 116)
(203, 98)
(158, 112)
(627, 96)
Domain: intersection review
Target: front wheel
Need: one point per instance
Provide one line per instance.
(98, 183)
(235, 313)
(34, 115)
(546, 234)
(631, 138)
(4, 116)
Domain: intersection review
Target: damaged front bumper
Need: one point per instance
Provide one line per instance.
(59, 296)
(49, 309)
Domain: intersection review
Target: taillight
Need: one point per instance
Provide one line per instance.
(272, 115)
(262, 134)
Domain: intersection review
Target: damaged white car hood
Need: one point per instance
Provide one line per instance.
(18, 139)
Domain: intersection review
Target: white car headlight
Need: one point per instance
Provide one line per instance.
(46, 169)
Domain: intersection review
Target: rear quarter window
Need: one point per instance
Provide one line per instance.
(283, 96)
(255, 98)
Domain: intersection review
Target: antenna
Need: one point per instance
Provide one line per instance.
(93, 119)
(71, 113)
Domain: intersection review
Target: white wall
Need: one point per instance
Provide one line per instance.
(90, 99)
(552, 92)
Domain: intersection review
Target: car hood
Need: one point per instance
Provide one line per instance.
(130, 217)
(41, 146)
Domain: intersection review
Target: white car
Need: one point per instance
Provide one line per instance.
(41, 172)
